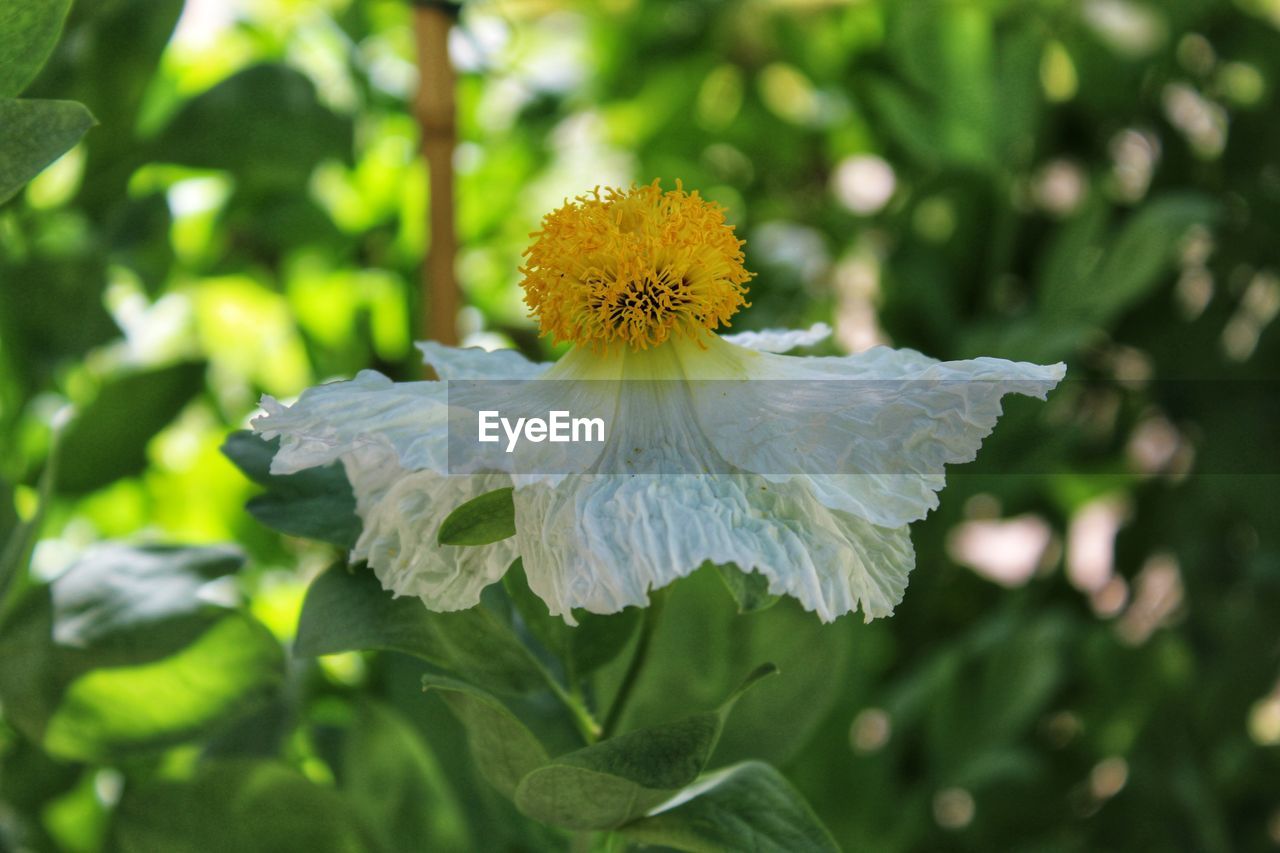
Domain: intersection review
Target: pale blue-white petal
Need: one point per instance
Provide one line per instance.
(602, 542)
(400, 540)
(405, 421)
(780, 340)
(476, 363)
(603, 539)
(870, 433)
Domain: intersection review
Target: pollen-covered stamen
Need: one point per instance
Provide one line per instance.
(634, 267)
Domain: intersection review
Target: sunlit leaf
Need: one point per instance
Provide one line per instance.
(122, 653)
(229, 669)
(749, 806)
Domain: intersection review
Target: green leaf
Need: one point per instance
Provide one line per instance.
(230, 669)
(346, 609)
(119, 597)
(610, 783)
(315, 504)
(504, 750)
(1084, 282)
(108, 439)
(749, 806)
(28, 31)
(392, 779)
(121, 654)
(775, 719)
(35, 134)
(480, 521)
(750, 590)
(242, 805)
(265, 124)
(906, 119)
(596, 640)
(20, 537)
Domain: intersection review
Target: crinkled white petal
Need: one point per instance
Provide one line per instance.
(404, 421)
(601, 542)
(399, 540)
(813, 490)
(874, 445)
(476, 363)
(780, 340)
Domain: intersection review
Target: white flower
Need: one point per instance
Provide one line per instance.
(812, 486)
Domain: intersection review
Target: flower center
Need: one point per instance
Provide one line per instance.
(634, 267)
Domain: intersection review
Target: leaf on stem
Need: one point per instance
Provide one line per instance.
(619, 780)
(504, 750)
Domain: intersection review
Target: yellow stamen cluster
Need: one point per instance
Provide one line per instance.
(634, 267)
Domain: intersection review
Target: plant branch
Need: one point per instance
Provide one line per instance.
(436, 112)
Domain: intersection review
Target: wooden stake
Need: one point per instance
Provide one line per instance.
(436, 114)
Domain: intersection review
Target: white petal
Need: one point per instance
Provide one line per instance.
(400, 540)
(780, 340)
(476, 363)
(404, 421)
(876, 445)
(601, 542)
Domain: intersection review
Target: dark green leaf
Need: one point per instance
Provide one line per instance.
(108, 439)
(346, 609)
(774, 720)
(610, 783)
(35, 134)
(265, 124)
(504, 750)
(1083, 281)
(480, 521)
(596, 640)
(749, 806)
(906, 119)
(245, 806)
(316, 503)
(28, 31)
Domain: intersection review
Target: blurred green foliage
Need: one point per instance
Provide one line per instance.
(1091, 181)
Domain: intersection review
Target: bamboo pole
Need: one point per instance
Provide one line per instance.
(435, 109)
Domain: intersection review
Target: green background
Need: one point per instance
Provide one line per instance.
(1088, 654)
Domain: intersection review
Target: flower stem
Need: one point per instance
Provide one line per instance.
(578, 711)
(651, 616)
